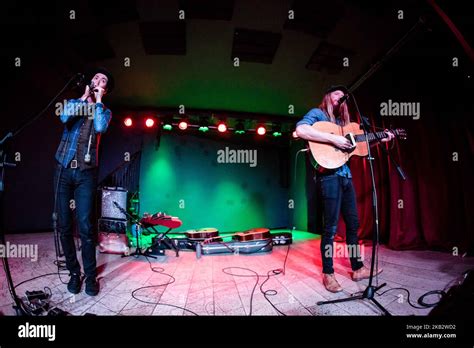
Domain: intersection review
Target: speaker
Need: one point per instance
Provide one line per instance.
(108, 208)
(459, 300)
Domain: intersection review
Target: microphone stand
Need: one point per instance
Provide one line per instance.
(138, 250)
(18, 303)
(370, 292)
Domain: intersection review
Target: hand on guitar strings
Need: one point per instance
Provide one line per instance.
(342, 142)
(390, 136)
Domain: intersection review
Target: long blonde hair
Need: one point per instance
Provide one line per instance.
(327, 107)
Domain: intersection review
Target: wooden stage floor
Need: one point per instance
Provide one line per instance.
(202, 287)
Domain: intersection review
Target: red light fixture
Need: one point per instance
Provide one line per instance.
(221, 127)
(128, 122)
(261, 130)
(183, 125)
(149, 122)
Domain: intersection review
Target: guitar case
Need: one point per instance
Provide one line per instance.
(250, 247)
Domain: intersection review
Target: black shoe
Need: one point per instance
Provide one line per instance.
(74, 285)
(92, 286)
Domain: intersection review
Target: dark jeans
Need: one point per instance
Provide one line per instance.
(338, 196)
(79, 186)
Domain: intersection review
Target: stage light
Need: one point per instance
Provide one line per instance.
(261, 130)
(128, 122)
(203, 125)
(239, 128)
(167, 126)
(149, 122)
(221, 127)
(183, 125)
(276, 130)
(203, 129)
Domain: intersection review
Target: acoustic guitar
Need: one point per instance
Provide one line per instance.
(328, 156)
(253, 234)
(202, 233)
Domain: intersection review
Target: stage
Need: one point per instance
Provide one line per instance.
(202, 287)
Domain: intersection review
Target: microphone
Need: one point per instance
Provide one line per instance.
(343, 99)
(91, 87)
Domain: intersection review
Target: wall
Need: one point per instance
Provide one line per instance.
(184, 179)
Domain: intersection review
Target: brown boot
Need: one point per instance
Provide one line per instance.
(364, 273)
(330, 282)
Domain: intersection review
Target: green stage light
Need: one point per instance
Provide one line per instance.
(167, 126)
(203, 129)
(203, 124)
(239, 128)
(276, 130)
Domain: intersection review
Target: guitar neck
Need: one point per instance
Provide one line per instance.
(371, 136)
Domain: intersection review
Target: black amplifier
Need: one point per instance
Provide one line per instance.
(109, 210)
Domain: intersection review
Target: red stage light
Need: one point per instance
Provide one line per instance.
(128, 122)
(149, 122)
(183, 125)
(261, 130)
(221, 127)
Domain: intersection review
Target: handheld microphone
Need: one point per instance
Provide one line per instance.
(343, 99)
(91, 87)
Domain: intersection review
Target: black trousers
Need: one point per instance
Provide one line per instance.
(338, 196)
(76, 192)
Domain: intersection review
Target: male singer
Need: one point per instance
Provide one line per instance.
(76, 176)
(335, 186)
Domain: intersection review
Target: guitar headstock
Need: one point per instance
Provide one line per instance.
(400, 133)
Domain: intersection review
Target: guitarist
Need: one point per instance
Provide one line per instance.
(335, 186)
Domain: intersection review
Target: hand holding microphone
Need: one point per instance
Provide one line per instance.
(91, 88)
(343, 99)
(98, 93)
(87, 91)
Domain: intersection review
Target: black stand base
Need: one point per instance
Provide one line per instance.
(138, 252)
(368, 294)
(163, 238)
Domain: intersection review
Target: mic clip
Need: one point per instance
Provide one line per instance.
(343, 99)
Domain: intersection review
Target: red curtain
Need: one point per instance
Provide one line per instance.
(433, 207)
